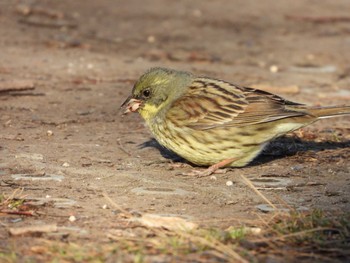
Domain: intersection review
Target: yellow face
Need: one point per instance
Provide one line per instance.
(156, 89)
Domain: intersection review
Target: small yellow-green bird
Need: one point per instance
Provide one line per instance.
(214, 123)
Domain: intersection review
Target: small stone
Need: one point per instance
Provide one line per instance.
(274, 69)
(255, 230)
(23, 10)
(151, 39)
(310, 57)
(297, 167)
(48, 196)
(49, 133)
(197, 13)
(104, 206)
(72, 218)
(213, 177)
(229, 183)
(65, 164)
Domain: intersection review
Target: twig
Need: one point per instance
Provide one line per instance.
(16, 85)
(36, 21)
(115, 205)
(22, 213)
(16, 89)
(250, 184)
(122, 148)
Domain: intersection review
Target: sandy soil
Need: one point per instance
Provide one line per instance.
(65, 142)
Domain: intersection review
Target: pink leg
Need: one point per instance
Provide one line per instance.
(212, 169)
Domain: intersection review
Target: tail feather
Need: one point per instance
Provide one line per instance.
(327, 112)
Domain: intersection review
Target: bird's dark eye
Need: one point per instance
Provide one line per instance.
(146, 93)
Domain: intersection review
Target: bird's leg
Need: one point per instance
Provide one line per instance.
(178, 165)
(212, 169)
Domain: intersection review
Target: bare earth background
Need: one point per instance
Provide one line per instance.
(66, 66)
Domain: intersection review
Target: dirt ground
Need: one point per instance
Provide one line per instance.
(66, 67)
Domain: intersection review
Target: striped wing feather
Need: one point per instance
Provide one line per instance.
(212, 103)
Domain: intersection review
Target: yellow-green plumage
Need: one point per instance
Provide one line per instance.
(207, 121)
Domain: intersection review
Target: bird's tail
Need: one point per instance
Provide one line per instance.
(327, 112)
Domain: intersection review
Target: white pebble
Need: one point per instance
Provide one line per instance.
(72, 218)
(49, 133)
(65, 164)
(213, 177)
(229, 183)
(255, 230)
(104, 207)
(274, 69)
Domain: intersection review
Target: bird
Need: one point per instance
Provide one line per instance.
(214, 123)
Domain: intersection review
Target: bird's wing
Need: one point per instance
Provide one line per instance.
(212, 103)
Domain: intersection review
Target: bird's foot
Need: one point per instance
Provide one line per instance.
(211, 170)
(204, 173)
(178, 165)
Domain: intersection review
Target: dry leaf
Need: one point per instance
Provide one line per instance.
(167, 222)
(32, 229)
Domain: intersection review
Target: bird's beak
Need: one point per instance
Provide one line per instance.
(131, 105)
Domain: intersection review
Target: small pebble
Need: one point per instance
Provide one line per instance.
(197, 13)
(229, 183)
(104, 207)
(16, 220)
(255, 230)
(297, 167)
(49, 133)
(151, 39)
(65, 164)
(48, 196)
(72, 218)
(310, 56)
(213, 177)
(274, 69)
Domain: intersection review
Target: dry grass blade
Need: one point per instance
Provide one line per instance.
(115, 205)
(250, 184)
(295, 234)
(214, 244)
(16, 192)
(121, 147)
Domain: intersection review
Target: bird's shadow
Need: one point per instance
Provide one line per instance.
(277, 149)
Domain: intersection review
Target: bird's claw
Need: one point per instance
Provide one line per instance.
(204, 173)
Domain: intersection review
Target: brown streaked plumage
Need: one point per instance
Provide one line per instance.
(214, 123)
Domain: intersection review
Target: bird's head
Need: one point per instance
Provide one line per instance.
(155, 90)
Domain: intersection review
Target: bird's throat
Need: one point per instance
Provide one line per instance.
(149, 111)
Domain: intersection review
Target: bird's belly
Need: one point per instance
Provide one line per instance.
(208, 147)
